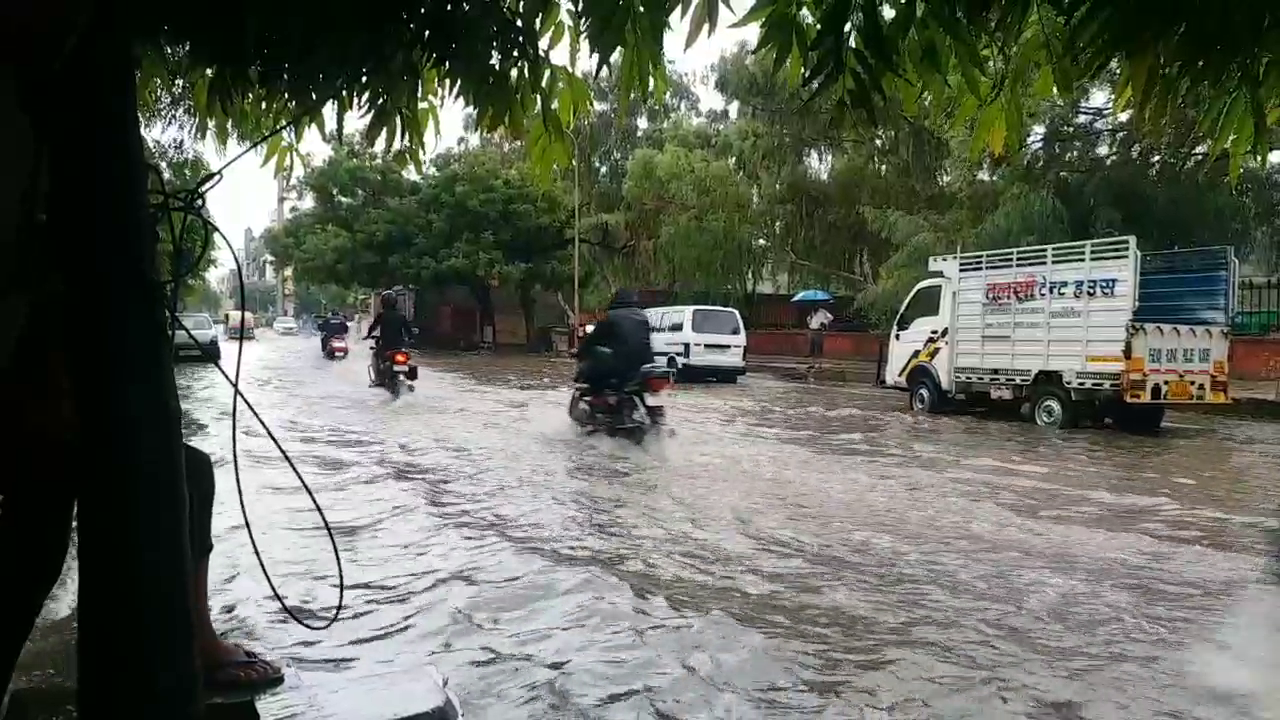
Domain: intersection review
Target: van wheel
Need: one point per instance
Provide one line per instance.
(1053, 408)
(728, 378)
(925, 395)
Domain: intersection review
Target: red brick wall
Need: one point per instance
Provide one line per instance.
(1255, 358)
(795, 343)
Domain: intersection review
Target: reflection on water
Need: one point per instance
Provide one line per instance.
(793, 551)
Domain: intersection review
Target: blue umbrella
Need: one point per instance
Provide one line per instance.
(812, 296)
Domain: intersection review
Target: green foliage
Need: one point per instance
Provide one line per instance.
(201, 296)
(249, 71)
(973, 67)
(309, 299)
(259, 297)
(982, 65)
(983, 136)
(481, 217)
(690, 222)
(184, 238)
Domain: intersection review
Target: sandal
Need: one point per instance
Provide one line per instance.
(227, 676)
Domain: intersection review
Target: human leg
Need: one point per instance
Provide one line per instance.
(225, 665)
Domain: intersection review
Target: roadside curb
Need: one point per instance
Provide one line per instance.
(1255, 407)
(827, 374)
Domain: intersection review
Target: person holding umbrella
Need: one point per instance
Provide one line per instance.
(817, 322)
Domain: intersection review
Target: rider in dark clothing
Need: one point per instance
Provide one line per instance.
(624, 332)
(394, 330)
(333, 326)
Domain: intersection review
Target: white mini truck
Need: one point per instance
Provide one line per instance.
(1078, 330)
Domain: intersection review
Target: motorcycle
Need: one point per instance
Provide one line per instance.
(623, 411)
(336, 348)
(393, 372)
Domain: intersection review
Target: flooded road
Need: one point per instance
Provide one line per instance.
(791, 552)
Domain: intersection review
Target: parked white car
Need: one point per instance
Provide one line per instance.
(285, 325)
(201, 344)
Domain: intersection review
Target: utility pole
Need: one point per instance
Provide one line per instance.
(281, 184)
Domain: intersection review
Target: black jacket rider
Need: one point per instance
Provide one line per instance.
(625, 332)
(332, 326)
(393, 329)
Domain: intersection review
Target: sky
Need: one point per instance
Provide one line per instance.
(246, 196)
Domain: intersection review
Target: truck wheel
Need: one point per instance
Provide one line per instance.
(1053, 408)
(925, 394)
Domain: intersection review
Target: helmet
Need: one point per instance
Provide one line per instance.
(388, 299)
(624, 298)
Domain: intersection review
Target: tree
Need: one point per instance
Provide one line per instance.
(988, 62)
(489, 221)
(311, 299)
(690, 225)
(482, 218)
(249, 72)
(182, 222)
(361, 222)
(201, 296)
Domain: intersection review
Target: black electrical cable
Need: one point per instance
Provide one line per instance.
(190, 205)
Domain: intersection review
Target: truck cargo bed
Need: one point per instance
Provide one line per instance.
(1063, 307)
(1187, 287)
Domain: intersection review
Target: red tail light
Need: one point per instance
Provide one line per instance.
(656, 384)
(400, 358)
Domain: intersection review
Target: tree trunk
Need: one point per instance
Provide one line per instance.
(136, 649)
(529, 309)
(484, 298)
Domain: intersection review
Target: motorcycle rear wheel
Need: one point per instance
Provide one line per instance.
(578, 411)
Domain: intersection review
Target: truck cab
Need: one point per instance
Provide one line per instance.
(919, 341)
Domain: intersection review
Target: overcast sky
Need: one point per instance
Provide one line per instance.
(247, 194)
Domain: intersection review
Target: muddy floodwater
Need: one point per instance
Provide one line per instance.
(791, 551)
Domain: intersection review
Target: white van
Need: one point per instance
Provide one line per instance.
(699, 340)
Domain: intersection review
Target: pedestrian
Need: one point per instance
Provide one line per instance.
(818, 321)
(37, 511)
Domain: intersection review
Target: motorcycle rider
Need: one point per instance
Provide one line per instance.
(624, 332)
(333, 326)
(393, 330)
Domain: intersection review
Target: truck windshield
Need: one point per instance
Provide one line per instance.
(923, 304)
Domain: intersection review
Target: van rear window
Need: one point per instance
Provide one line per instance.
(716, 322)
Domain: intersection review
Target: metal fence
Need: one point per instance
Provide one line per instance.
(1257, 307)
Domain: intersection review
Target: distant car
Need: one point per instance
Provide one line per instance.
(204, 346)
(285, 325)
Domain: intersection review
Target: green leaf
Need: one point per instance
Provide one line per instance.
(550, 18)
(272, 148)
(757, 13)
(697, 22)
(1228, 123)
(282, 161)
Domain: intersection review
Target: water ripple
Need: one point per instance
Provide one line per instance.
(791, 552)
